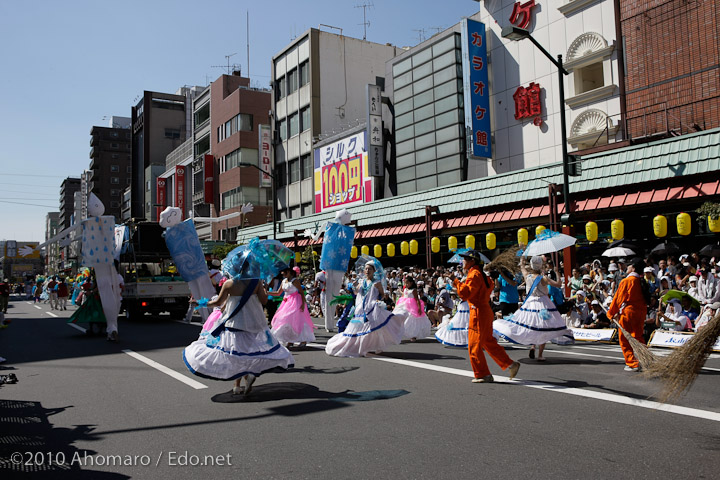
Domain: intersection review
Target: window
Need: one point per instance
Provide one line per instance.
(307, 209)
(294, 168)
(245, 122)
(228, 128)
(202, 145)
(169, 133)
(280, 90)
(114, 168)
(304, 73)
(294, 125)
(305, 119)
(292, 77)
(306, 166)
(114, 193)
(241, 195)
(220, 133)
(114, 180)
(128, 169)
(115, 155)
(244, 155)
(128, 181)
(282, 131)
(114, 204)
(114, 145)
(114, 134)
(202, 114)
(588, 78)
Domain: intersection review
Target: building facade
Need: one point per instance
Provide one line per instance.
(111, 164)
(67, 201)
(319, 88)
(52, 251)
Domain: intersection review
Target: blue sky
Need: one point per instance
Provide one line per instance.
(66, 65)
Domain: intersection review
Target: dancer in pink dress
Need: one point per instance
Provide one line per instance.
(292, 322)
(416, 324)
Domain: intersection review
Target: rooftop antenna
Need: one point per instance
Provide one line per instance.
(421, 33)
(229, 67)
(365, 23)
(247, 39)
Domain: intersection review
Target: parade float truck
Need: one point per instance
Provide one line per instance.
(152, 284)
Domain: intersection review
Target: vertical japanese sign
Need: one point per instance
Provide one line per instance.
(180, 188)
(208, 178)
(161, 194)
(477, 94)
(265, 143)
(341, 174)
(376, 156)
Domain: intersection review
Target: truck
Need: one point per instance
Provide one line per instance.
(152, 284)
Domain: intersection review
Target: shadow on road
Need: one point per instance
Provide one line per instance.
(26, 432)
(420, 356)
(295, 390)
(331, 370)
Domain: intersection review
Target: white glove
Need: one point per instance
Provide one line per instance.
(26, 250)
(308, 233)
(247, 208)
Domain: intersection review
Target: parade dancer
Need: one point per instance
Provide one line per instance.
(334, 258)
(416, 324)
(241, 346)
(476, 290)
(453, 332)
(629, 303)
(292, 322)
(537, 321)
(184, 246)
(373, 328)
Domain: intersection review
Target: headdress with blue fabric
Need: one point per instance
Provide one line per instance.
(262, 259)
(379, 270)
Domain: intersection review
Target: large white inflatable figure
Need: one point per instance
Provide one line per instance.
(334, 258)
(184, 246)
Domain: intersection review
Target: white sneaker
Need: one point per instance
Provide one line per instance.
(631, 369)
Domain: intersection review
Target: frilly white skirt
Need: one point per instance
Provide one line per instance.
(381, 330)
(414, 325)
(535, 323)
(454, 332)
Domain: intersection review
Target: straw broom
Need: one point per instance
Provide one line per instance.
(507, 260)
(679, 370)
(641, 351)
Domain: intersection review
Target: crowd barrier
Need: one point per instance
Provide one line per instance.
(666, 338)
(605, 335)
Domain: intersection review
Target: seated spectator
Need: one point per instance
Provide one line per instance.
(673, 315)
(597, 317)
(708, 314)
(692, 289)
(651, 321)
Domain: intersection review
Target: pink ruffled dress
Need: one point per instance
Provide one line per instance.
(291, 324)
(416, 324)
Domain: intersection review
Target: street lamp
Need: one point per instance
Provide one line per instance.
(512, 32)
(272, 177)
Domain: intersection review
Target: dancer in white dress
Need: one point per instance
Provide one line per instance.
(415, 324)
(373, 327)
(538, 320)
(453, 332)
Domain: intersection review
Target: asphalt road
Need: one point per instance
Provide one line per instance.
(88, 408)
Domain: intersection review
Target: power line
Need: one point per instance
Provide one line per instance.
(29, 204)
(30, 185)
(32, 175)
(34, 193)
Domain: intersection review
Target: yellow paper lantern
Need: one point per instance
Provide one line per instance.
(413, 247)
(353, 252)
(470, 242)
(365, 250)
(391, 250)
(591, 231)
(683, 224)
(435, 244)
(617, 229)
(660, 226)
(522, 236)
(404, 248)
(713, 224)
(452, 244)
(377, 250)
(490, 240)
(539, 229)
(298, 257)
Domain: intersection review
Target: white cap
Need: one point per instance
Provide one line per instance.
(612, 267)
(586, 277)
(594, 302)
(580, 293)
(649, 270)
(715, 305)
(693, 278)
(683, 256)
(666, 278)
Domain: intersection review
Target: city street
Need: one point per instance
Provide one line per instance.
(89, 408)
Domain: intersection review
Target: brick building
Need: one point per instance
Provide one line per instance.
(672, 63)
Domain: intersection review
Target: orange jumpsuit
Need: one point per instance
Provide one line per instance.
(630, 302)
(480, 337)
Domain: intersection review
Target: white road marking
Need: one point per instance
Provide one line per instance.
(38, 307)
(77, 327)
(29, 303)
(52, 314)
(167, 371)
(690, 412)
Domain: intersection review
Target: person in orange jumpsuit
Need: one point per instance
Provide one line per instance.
(476, 290)
(629, 303)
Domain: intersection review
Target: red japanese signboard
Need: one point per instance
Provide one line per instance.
(342, 182)
(527, 103)
(209, 179)
(180, 188)
(161, 194)
(522, 14)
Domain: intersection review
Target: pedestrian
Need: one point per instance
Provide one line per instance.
(373, 328)
(509, 296)
(443, 306)
(630, 305)
(476, 290)
(240, 346)
(62, 294)
(4, 295)
(538, 320)
(415, 324)
(37, 291)
(292, 322)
